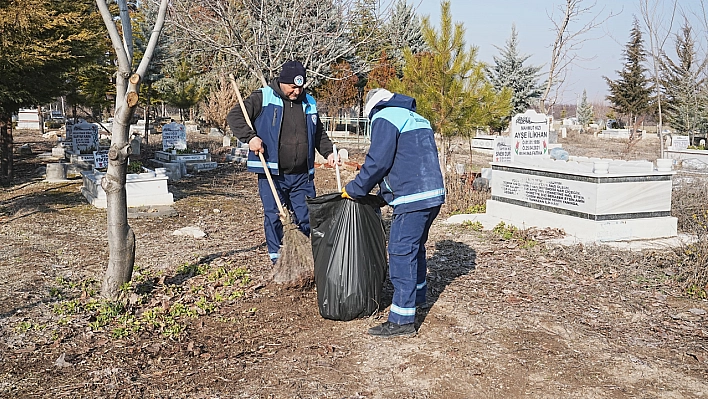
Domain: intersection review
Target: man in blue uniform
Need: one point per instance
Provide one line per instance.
(403, 161)
(287, 130)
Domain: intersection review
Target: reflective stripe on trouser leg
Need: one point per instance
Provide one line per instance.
(421, 284)
(272, 225)
(408, 231)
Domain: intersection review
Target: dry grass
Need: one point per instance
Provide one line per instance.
(462, 197)
(689, 206)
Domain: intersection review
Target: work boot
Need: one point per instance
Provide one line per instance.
(389, 329)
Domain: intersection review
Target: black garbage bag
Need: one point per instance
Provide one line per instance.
(349, 248)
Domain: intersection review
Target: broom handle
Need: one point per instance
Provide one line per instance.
(260, 154)
(336, 165)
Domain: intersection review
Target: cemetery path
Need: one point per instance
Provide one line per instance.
(506, 318)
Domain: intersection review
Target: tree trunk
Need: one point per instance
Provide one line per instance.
(121, 239)
(6, 169)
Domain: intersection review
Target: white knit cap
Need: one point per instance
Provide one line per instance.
(374, 97)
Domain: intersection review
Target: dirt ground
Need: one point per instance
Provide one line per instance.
(504, 319)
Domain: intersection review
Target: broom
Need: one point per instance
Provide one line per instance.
(295, 266)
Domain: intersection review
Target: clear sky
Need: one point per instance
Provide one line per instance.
(488, 24)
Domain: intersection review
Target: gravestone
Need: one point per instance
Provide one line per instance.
(84, 138)
(680, 142)
(56, 172)
(174, 136)
(100, 159)
(502, 149)
(68, 130)
(174, 142)
(530, 134)
(591, 199)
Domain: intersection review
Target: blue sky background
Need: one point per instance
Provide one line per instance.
(488, 24)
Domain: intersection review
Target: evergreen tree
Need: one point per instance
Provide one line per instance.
(181, 88)
(448, 82)
(509, 71)
(402, 31)
(585, 112)
(630, 95)
(88, 83)
(683, 85)
(41, 42)
(366, 31)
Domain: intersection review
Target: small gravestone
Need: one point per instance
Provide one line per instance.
(135, 145)
(502, 149)
(68, 131)
(174, 136)
(680, 142)
(56, 172)
(553, 137)
(530, 134)
(100, 159)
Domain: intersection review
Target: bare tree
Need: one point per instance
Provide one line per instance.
(262, 34)
(121, 240)
(658, 24)
(568, 42)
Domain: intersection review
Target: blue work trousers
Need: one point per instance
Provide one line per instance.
(292, 190)
(407, 265)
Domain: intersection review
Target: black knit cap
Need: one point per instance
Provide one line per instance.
(293, 73)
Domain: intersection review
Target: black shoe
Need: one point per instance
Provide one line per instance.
(389, 329)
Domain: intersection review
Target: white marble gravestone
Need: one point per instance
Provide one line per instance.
(174, 136)
(591, 199)
(503, 149)
(100, 159)
(680, 142)
(28, 119)
(530, 134)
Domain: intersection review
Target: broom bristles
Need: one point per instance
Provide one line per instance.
(296, 265)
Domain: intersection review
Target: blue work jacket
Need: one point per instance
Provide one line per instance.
(402, 159)
(268, 124)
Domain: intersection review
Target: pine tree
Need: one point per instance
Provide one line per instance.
(509, 71)
(403, 31)
(448, 82)
(366, 32)
(585, 112)
(41, 43)
(683, 85)
(630, 95)
(181, 87)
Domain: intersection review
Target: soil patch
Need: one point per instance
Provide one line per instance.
(504, 319)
